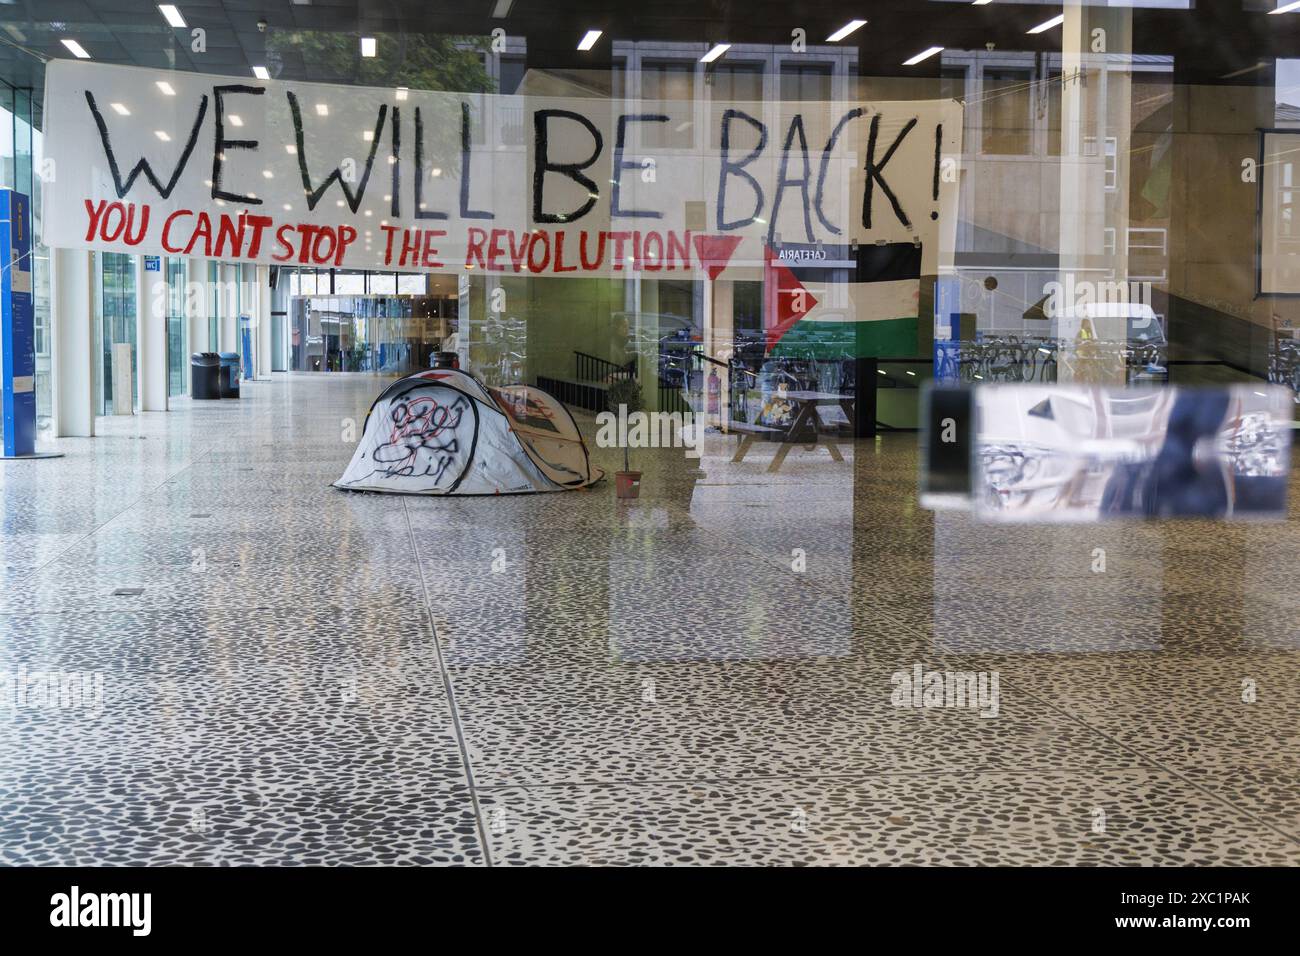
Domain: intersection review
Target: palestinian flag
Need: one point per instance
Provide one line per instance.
(831, 302)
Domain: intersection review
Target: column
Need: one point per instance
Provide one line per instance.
(228, 330)
(720, 338)
(1096, 79)
(72, 317)
(196, 309)
(151, 333)
(262, 320)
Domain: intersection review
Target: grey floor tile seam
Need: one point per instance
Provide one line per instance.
(30, 575)
(450, 693)
(865, 777)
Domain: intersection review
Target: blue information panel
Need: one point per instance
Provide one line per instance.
(17, 326)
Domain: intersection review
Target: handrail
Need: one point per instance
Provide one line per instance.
(593, 368)
(731, 364)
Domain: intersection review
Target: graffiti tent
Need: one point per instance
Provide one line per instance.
(441, 432)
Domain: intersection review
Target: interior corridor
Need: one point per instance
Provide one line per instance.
(704, 675)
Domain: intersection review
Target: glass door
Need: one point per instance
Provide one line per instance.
(115, 279)
(214, 304)
(177, 355)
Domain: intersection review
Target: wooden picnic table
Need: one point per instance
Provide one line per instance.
(808, 403)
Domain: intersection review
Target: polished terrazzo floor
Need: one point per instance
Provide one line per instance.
(309, 676)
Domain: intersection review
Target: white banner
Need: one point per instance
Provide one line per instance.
(308, 174)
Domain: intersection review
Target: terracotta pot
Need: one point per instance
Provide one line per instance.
(627, 484)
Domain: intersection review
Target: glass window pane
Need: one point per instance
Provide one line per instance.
(1008, 93)
(349, 282)
(670, 80)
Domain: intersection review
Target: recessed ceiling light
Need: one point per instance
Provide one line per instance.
(717, 51)
(368, 135)
(1242, 72)
(923, 55)
(76, 49)
(235, 120)
(589, 40)
(165, 88)
(172, 15)
(368, 46)
(121, 109)
(845, 30)
(291, 149)
(980, 3)
(267, 173)
(400, 94)
(322, 109)
(261, 72)
(1046, 25)
(162, 135)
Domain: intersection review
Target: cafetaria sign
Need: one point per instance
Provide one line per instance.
(308, 174)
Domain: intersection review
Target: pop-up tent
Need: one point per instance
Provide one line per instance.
(441, 432)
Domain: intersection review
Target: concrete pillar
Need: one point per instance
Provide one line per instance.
(228, 329)
(720, 338)
(1212, 305)
(151, 335)
(196, 310)
(1096, 79)
(280, 327)
(262, 320)
(73, 362)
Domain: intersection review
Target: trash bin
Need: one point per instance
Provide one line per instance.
(205, 368)
(229, 379)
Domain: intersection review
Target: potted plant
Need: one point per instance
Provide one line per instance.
(624, 398)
